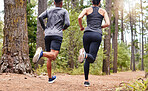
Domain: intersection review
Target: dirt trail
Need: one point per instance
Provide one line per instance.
(65, 82)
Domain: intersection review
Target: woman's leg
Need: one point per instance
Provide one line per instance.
(86, 70)
(93, 50)
(86, 45)
(91, 43)
(96, 39)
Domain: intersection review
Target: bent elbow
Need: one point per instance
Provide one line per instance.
(108, 24)
(79, 18)
(67, 24)
(40, 18)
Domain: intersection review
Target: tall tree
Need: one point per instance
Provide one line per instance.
(106, 61)
(74, 2)
(28, 1)
(115, 37)
(142, 60)
(81, 2)
(132, 41)
(122, 28)
(42, 6)
(15, 57)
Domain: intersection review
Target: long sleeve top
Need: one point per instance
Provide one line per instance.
(57, 20)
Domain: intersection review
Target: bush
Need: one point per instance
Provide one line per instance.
(123, 57)
(138, 85)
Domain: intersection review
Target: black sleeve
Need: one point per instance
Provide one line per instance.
(41, 18)
(67, 22)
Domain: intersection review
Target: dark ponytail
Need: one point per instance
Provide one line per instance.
(96, 2)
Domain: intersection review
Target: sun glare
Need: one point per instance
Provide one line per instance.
(130, 4)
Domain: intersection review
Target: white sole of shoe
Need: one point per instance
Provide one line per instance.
(37, 54)
(81, 55)
(86, 85)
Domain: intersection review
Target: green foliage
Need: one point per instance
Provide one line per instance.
(123, 57)
(146, 58)
(41, 69)
(138, 85)
(32, 28)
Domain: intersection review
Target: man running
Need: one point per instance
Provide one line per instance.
(92, 35)
(57, 22)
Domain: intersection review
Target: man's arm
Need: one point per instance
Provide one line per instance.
(67, 22)
(41, 18)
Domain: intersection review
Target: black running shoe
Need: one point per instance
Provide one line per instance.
(51, 80)
(86, 84)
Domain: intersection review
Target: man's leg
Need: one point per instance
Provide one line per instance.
(51, 55)
(49, 67)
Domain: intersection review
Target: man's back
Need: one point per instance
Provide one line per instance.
(57, 20)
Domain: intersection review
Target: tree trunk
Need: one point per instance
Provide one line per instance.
(115, 38)
(106, 61)
(28, 1)
(74, 3)
(122, 28)
(71, 49)
(15, 57)
(81, 2)
(132, 47)
(132, 40)
(42, 6)
(139, 39)
(142, 60)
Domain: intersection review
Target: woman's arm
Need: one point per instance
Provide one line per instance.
(107, 21)
(80, 19)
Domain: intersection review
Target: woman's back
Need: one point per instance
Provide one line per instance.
(94, 19)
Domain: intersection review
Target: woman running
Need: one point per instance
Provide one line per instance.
(92, 35)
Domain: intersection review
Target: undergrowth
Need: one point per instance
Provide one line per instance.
(138, 85)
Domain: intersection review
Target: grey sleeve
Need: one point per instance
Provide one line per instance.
(41, 18)
(67, 22)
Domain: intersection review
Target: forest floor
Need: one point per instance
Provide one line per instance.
(65, 82)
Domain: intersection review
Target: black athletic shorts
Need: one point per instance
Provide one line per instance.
(53, 42)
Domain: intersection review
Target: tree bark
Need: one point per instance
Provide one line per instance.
(132, 41)
(15, 57)
(81, 2)
(74, 3)
(115, 38)
(106, 61)
(122, 28)
(142, 60)
(42, 6)
(28, 1)
(71, 49)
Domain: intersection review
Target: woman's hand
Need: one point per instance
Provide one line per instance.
(82, 28)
